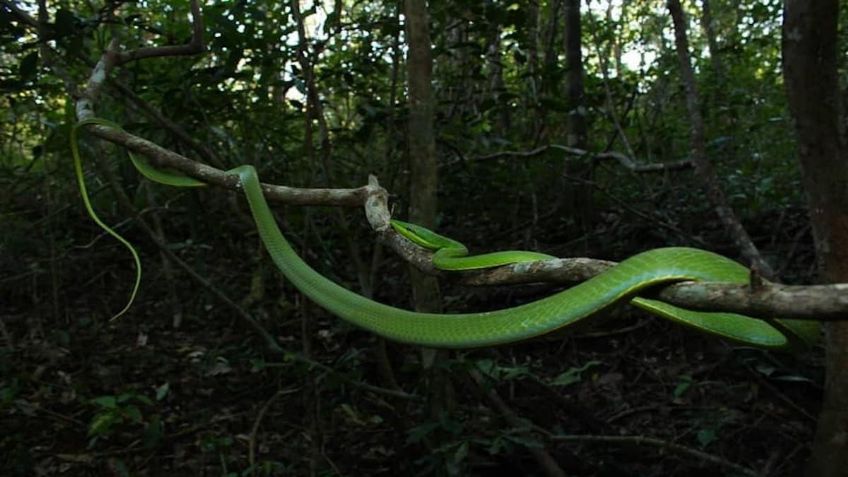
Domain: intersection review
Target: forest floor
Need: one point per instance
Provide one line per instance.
(137, 396)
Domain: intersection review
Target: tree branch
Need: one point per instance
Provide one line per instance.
(767, 299)
(624, 160)
(193, 47)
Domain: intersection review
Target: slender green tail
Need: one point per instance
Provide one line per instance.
(144, 167)
(91, 213)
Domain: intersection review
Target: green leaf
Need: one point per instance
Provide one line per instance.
(765, 369)
(706, 437)
(516, 372)
(131, 396)
(573, 375)
(153, 432)
(417, 433)
(257, 364)
(108, 402)
(133, 413)
(497, 445)
(162, 391)
(102, 423)
(461, 453)
(683, 386)
(487, 367)
(526, 441)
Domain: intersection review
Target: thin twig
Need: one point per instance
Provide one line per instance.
(828, 302)
(626, 161)
(193, 47)
(543, 458)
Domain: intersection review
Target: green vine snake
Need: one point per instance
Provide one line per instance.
(468, 330)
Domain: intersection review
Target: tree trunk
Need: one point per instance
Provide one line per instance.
(537, 123)
(549, 87)
(812, 87)
(422, 144)
(574, 75)
(708, 25)
(578, 192)
(423, 172)
(716, 99)
(703, 168)
(494, 69)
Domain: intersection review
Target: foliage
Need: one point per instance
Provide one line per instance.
(499, 86)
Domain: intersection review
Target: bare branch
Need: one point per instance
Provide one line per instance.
(558, 270)
(766, 299)
(547, 463)
(626, 161)
(821, 302)
(162, 157)
(193, 47)
(85, 104)
(21, 15)
(146, 108)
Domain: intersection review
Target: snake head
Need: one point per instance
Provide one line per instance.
(422, 236)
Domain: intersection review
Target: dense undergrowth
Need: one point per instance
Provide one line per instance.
(141, 396)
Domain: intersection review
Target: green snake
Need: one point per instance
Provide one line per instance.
(468, 330)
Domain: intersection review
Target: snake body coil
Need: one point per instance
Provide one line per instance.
(653, 267)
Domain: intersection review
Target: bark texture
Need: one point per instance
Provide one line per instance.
(422, 144)
(423, 180)
(812, 87)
